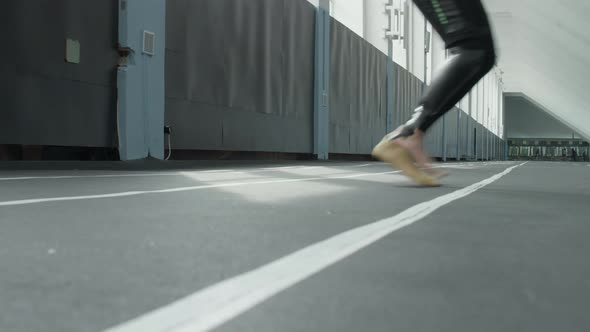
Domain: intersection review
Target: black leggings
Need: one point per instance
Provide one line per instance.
(465, 29)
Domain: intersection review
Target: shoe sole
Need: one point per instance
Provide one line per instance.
(400, 158)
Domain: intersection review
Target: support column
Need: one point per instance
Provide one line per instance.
(497, 148)
(493, 146)
(486, 119)
(484, 134)
(390, 90)
(496, 153)
(140, 78)
(468, 145)
(504, 127)
(390, 86)
(458, 147)
(322, 82)
(489, 145)
(482, 142)
(475, 140)
(486, 145)
(444, 138)
(506, 149)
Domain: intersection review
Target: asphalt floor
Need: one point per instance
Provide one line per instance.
(501, 246)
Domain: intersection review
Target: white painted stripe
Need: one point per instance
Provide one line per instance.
(456, 167)
(281, 167)
(180, 189)
(49, 177)
(312, 167)
(293, 167)
(219, 303)
(88, 176)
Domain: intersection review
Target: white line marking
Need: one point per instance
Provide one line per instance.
(457, 167)
(180, 173)
(281, 167)
(219, 303)
(180, 189)
(87, 176)
(152, 174)
(312, 167)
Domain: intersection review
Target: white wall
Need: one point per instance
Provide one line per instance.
(350, 13)
(416, 42)
(367, 18)
(376, 20)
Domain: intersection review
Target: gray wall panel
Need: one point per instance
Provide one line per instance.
(433, 142)
(46, 100)
(264, 132)
(250, 61)
(476, 140)
(357, 92)
(408, 90)
(205, 122)
(463, 134)
(480, 140)
(451, 130)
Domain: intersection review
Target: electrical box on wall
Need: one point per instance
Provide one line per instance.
(149, 42)
(72, 51)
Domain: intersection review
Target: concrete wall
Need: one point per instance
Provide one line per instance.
(249, 85)
(367, 18)
(50, 102)
(141, 80)
(46, 100)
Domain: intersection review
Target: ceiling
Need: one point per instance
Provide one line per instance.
(544, 53)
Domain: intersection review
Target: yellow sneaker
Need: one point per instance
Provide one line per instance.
(400, 158)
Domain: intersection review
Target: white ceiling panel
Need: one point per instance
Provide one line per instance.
(544, 52)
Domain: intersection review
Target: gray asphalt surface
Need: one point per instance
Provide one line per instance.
(512, 256)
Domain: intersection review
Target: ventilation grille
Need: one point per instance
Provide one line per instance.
(149, 42)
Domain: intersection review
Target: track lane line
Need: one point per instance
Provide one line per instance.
(219, 303)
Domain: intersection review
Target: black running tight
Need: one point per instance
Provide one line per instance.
(465, 29)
